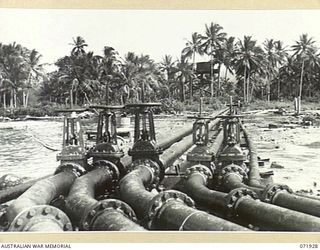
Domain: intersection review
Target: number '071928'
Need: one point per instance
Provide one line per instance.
(309, 245)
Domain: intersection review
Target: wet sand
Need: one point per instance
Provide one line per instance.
(292, 145)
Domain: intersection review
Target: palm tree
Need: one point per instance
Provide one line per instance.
(35, 71)
(185, 73)
(193, 47)
(281, 55)
(167, 65)
(270, 63)
(79, 44)
(212, 41)
(302, 49)
(249, 59)
(229, 54)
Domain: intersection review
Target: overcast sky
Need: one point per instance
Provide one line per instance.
(149, 32)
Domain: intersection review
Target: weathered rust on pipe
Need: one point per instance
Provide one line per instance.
(254, 174)
(14, 192)
(243, 203)
(88, 213)
(168, 210)
(32, 207)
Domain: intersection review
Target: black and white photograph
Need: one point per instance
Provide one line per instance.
(159, 120)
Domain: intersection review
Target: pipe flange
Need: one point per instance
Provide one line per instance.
(199, 169)
(153, 167)
(235, 195)
(75, 168)
(102, 206)
(271, 192)
(111, 167)
(31, 216)
(233, 169)
(163, 198)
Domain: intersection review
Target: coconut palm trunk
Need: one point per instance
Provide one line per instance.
(211, 72)
(301, 80)
(71, 98)
(107, 93)
(245, 85)
(248, 87)
(4, 100)
(191, 78)
(278, 95)
(219, 83)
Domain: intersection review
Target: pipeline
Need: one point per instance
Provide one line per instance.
(277, 194)
(167, 142)
(105, 215)
(254, 175)
(243, 203)
(168, 210)
(14, 192)
(31, 212)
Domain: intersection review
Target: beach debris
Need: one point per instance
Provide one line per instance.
(276, 165)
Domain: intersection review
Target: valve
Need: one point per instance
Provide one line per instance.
(232, 152)
(73, 150)
(145, 144)
(107, 147)
(200, 135)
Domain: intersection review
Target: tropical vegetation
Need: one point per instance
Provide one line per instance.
(237, 66)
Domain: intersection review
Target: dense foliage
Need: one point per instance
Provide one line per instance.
(271, 71)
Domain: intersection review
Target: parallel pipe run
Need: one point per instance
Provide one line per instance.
(254, 175)
(242, 203)
(14, 192)
(168, 141)
(105, 215)
(276, 194)
(31, 209)
(169, 210)
(179, 148)
(283, 196)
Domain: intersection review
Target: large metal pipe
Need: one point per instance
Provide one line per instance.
(283, 196)
(243, 203)
(233, 176)
(276, 194)
(169, 210)
(14, 192)
(32, 209)
(90, 214)
(254, 174)
(166, 142)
